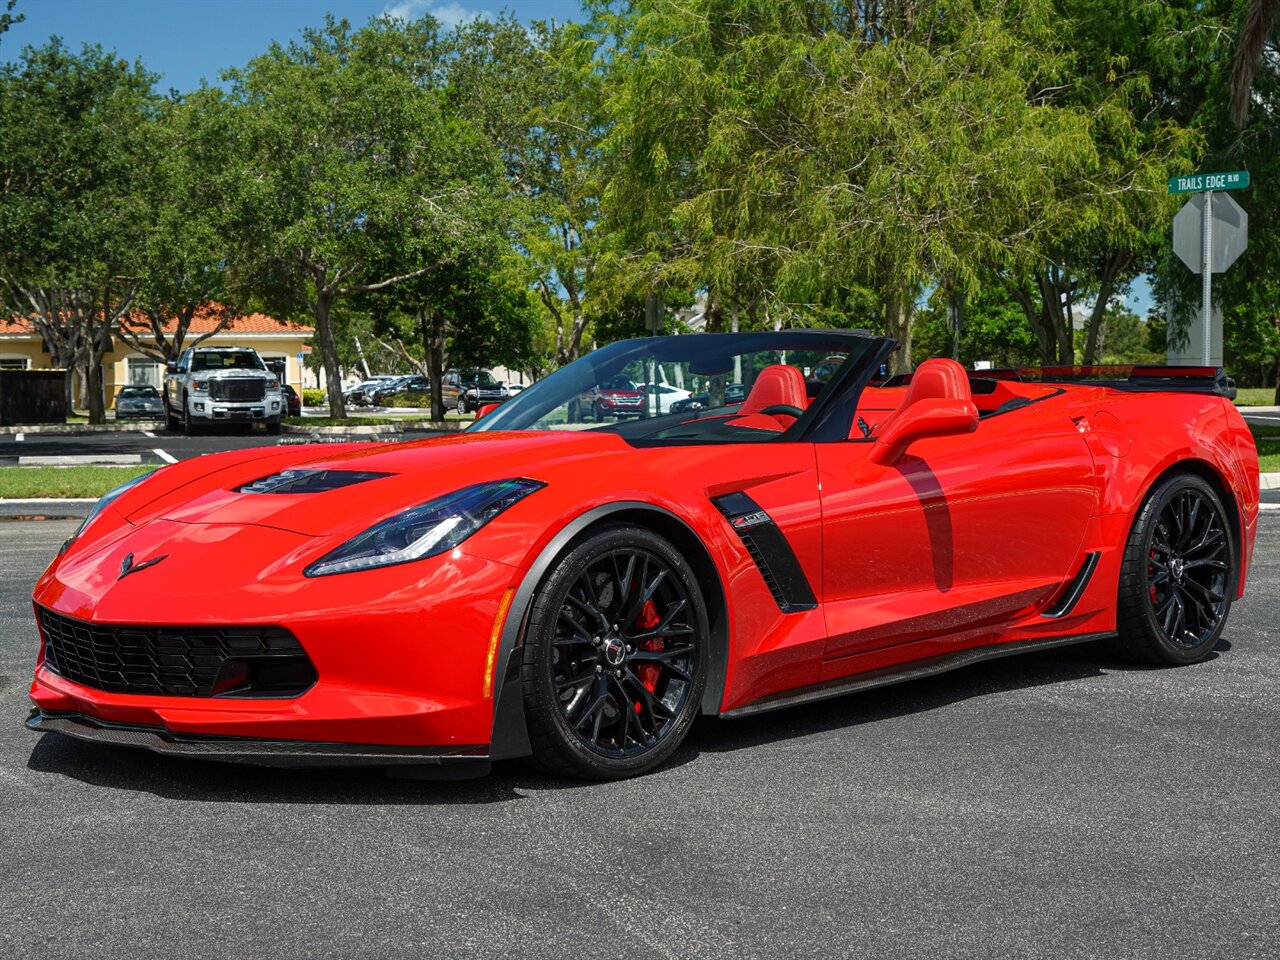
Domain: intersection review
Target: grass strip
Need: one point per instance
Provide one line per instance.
(59, 483)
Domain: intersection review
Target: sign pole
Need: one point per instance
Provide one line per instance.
(1206, 279)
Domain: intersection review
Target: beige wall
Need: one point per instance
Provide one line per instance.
(115, 365)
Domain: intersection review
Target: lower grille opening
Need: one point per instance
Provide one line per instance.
(250, 662)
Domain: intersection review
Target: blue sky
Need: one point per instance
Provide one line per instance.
(187, 40)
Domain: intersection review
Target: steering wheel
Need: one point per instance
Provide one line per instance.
(786, 408)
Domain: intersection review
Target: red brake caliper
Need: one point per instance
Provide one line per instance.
(648, 672)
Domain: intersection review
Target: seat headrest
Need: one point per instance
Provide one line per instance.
(776, 384)
(938, 379)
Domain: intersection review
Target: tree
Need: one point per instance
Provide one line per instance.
(347, 153)
(187, 189)
(71, 129)
(539, 92)
(474, 314)
(790, 150)
(1255, 34)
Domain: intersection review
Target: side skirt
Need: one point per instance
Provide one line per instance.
(901, 673)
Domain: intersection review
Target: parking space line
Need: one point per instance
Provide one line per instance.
(19, 437)
(167, 458)
(148, 433)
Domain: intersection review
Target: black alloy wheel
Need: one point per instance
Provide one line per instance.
(1179, 574)
(615, 658)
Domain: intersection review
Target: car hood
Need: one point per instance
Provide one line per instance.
(411, 473)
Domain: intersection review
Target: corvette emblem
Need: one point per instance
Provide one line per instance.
(127, 565)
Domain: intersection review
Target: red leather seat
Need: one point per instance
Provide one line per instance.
(776, 384)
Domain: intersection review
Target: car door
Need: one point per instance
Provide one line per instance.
(964, 531)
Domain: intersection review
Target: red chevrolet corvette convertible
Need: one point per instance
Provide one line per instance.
(543, 584)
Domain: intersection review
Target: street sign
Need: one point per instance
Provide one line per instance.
(1200, 182)
(1229, 234)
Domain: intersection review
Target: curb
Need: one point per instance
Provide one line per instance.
(380, 429)
(1269, 481)
(132, 426)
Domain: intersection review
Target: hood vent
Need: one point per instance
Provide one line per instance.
(309, 481)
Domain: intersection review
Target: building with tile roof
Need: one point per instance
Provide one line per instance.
(22, 348)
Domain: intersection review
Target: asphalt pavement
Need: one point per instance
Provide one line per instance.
(1050, 806)
(156, 446)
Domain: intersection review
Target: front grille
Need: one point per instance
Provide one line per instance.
(240, 390)
(177, 661)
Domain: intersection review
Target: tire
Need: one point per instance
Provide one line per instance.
(1178, 577)
(188, 428)
(575, 688)
(171, 423)
(273, 428)
(462, 406)
(599, 413)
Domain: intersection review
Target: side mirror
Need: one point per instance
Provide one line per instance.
(924, 418)
(171, 366)
(486, 409)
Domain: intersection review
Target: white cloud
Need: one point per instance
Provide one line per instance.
(448, 15)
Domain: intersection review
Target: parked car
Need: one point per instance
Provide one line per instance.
(139, 401)
(733, 393)
(583, 595)
(360, 394)
(414, 383)
(617, 397)
(469, 390)
(293, 402)
(661, 397)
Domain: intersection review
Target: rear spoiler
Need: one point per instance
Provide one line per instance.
(1154, 378)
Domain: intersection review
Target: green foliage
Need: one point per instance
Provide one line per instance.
(993, 329)
(355, 176)
(314, 397)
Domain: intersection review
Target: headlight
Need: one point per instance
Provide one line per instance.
(273, 386)
(101, 505)
(426, 530)
(199, 386)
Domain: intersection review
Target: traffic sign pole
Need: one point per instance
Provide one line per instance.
(1206, 279)
(1194, 224)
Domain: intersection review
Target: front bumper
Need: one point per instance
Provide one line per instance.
(202, 408)
(468, 760)
(401, 654)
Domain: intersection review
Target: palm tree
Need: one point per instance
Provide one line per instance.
(1259, 17)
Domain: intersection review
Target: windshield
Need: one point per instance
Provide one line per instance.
(751, 386)
(227, 360)
(479, 378)
(136, 393)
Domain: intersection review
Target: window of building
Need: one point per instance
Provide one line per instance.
(144, 371)
(15, 363)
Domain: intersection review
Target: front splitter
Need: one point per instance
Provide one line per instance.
(453, 761)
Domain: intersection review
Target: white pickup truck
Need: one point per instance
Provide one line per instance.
(221, 385)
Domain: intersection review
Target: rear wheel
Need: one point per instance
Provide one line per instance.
(1179, 575)
(616, 657)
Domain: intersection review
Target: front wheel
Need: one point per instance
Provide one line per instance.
(462, 406)
(188, 428)
(1179, 575)
(615, 660)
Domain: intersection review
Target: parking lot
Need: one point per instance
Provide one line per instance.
(155, 446)
(1040, 806)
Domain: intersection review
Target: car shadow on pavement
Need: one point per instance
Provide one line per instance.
(121, 768)
(1004, 675)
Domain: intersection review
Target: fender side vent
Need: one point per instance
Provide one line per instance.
(770, 551)
(1074, 590)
